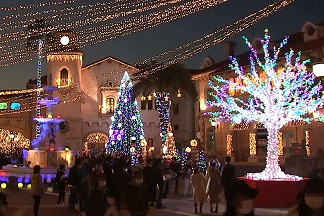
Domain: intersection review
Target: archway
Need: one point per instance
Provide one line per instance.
(96, 142)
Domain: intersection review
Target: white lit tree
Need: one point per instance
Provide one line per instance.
(274, 99)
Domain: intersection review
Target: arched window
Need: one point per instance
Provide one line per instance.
(110, 104)
(64, 77)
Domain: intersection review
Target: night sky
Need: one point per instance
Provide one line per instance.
(139, 46)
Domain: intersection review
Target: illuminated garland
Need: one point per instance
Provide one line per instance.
(98, 138)
(229, 144)
(6, 143)
(241, 126)
(39, 84)
(163, 102)
(252, 144)
(280, 144)
(307, 143)
(105, 32)
(274, 102)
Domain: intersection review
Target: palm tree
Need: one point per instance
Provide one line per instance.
(164, 85)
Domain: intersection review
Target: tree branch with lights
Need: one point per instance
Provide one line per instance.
(274, 100)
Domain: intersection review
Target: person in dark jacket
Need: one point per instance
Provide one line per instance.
(149, 181)
(73, 182)
(228, 177)
(61, 182)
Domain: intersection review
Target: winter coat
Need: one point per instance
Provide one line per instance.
(198, 183)
(213, 188)
(36, 185)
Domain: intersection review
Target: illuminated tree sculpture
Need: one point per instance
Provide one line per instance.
(278, 98)
(169, 148)
(126, 130)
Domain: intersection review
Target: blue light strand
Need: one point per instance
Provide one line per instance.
(39, 84)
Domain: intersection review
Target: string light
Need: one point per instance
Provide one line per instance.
(290, 95)
(163, 108)
(252, 144)
(39, 84)
(169, 145)
(105, 32)
(307, 143)
(229, 144)
(98, 138)
(280, 144)
(20, 142)
(241, 126)
(213, 38)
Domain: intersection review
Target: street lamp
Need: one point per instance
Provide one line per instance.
(318, 69)
(65, 40)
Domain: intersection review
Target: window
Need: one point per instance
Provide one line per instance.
(110, 104)
(211, 139)
(15, 106)
(176, 108)
(150, 104)
(64, 77)
(3, 106)
(176, 127)
(143, 104)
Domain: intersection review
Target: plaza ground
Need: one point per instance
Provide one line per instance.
(20, 203)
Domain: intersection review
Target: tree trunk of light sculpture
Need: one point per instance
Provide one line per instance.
(163, 102)
(276, 98)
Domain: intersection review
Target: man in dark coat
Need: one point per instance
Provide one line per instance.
(228, 177)
(149, 181)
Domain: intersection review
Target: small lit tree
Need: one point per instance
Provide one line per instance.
(169, 148)
(274, 100)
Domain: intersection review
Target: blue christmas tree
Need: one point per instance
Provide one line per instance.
(126, 130)
(202, 161)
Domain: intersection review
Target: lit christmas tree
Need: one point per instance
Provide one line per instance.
(169, 148)
(126, 130)
(274, 98)
(202, 161)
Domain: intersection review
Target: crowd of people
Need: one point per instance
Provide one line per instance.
(111, 186)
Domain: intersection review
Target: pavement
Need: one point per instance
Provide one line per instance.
(20, 204)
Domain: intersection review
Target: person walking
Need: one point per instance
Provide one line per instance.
(198, 183)
(61, 183)
(36, 188)
(213, 188)
(186, 184)
(228, 177)
(149, 181)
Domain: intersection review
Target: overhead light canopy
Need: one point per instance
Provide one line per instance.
(318, 69)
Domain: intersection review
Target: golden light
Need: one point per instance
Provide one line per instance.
(165, 149)
(229, 144)
(179, 94)
(3, 186)
(49, 190)
(170, 134)
(252, 144)
(49, 116)
(143, 143)
(188, 150)
(308, 149)
(318, 69)
(213, 124)
(193, 143)
(98, 138)
(203, 106)
(154, 94)
(280, 144)
(132, 149)
(29, 186)
(20, 185)
(143, 98)
(149, 97)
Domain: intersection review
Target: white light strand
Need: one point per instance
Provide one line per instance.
(17, 53)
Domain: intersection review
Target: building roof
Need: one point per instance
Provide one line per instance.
(107, 59)
(295, 42)
(33, 81)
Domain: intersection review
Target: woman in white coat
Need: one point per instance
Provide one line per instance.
(198, 183)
